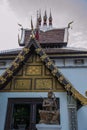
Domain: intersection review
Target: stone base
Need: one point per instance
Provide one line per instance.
(48, 127)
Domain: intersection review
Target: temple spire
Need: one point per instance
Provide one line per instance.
(32, 24)
(39, 18)
(45, 19)
(37, 28)
(50, 19)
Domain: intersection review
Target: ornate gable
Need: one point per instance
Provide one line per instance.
(34, 74)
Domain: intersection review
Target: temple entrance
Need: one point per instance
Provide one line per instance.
(23, 114)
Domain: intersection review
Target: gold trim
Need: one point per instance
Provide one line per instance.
(79, 96)
(15, 64)
(60, 78)
(43, 57)
(49, 63)
(21, 57)
(38, 50)
(54, 71)
(2, 80)
(26, 50)
(68, 87)
(9, 72)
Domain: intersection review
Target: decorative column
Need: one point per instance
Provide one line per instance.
(72, 109)
(33, 117)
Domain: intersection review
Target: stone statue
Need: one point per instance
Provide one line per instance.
(50, 113)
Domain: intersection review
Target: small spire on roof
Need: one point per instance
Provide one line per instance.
(45, 18)
(39, 18)
(50, 19)
(32, 28)
(32, 24)
(37, 28)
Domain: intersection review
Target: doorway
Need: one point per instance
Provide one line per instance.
(23, 113)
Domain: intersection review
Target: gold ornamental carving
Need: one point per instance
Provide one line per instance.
(43, 57)
(21, 57)
(68, 87)
(55, 71)
(9, 72)
(26, 50)
(38, 50)
(49, 63)
(60, 78)
(34, 70)
(8, 86)
(22, 84)
(44, 84)
(2, 80)
(15, 64)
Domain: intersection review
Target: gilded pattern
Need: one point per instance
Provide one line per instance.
(34, 70)
(43, 84)
(21, 84)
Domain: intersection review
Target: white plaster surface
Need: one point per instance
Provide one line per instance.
(82, 118)
(63, 105)
(77, 77)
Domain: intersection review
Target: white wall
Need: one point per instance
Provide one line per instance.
(82, 118)
(78, 78)
(63, 105)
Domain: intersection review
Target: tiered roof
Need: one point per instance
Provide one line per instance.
(48, 35)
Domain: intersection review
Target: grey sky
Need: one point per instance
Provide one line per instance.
(63, 11)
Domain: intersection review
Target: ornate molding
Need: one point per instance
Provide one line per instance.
(54, 71)
(43, 57)
(15, 64)
(49, 63)
(38, 50)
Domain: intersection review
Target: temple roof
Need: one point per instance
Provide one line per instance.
(49, 64)
(50, 36)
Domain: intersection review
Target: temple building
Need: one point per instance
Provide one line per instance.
(44, 62)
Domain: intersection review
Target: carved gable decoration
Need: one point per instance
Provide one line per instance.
(33, 76)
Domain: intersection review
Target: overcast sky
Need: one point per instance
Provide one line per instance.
(13, 12)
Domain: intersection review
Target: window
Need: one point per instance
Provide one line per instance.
(79, 61)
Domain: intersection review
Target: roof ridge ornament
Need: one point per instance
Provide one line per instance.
(50, 19)
(69, 24)
(37, 27)
(32, 29)
(45, 18)
(39, 18)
